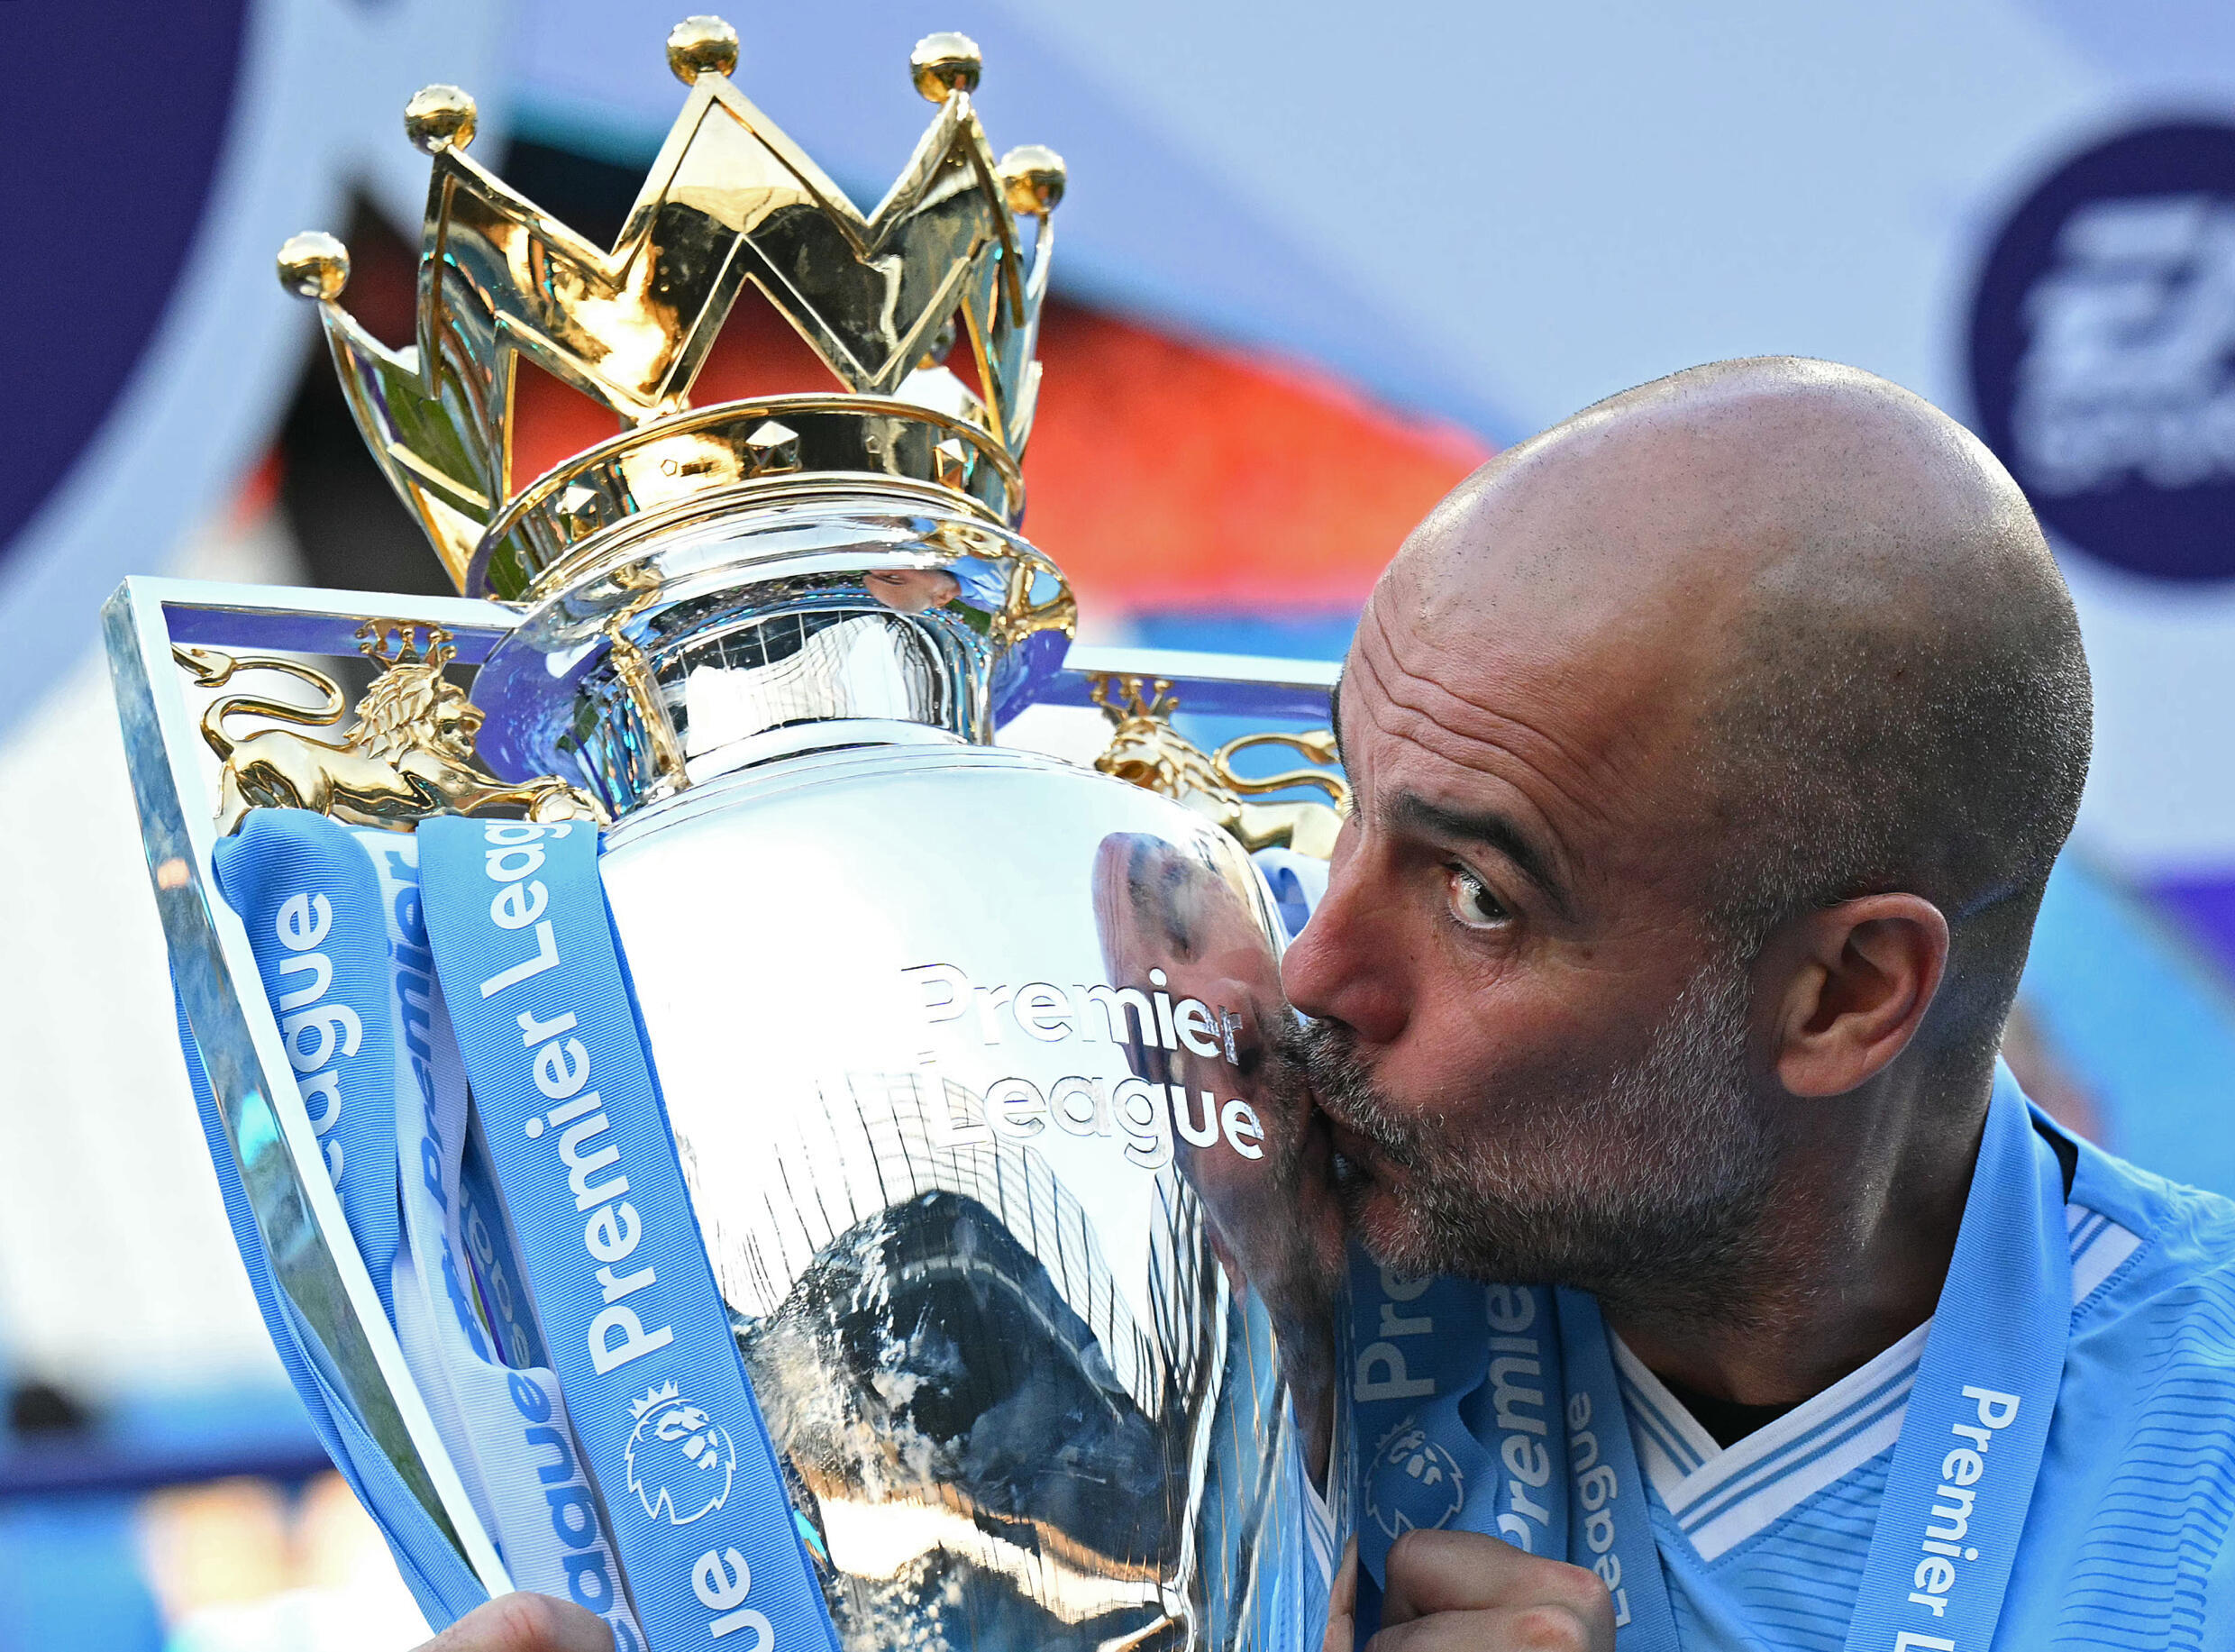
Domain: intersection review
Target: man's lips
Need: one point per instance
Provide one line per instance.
(1349, 1143)
(1357, 1157)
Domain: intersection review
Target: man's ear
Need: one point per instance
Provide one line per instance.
(1852, 984)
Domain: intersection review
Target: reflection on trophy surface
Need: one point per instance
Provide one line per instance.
(1273, 1226)
(993, 1274)
(975, 1062)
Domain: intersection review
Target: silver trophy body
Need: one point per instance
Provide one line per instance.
(976, 1061)
(977, 1064)
(980, 1076)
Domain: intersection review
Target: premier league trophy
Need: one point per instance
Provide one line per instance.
(715, 1134)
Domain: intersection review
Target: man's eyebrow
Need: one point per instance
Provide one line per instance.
(1492, 829)
(1334, 714)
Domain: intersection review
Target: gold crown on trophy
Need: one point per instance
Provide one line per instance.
(388, 644)
(944, 260)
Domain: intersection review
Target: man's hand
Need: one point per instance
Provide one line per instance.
(1459, 1592)
(1342, 1629)
(524, 1623)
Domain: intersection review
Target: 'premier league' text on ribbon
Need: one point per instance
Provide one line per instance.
(300, 926)
(540, 1002)
(1961, 1470)
(559, 1066)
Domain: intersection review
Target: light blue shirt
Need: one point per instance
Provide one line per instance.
(2126, 1540)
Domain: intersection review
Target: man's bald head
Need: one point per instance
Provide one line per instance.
(1829, 603)
(1710, 753)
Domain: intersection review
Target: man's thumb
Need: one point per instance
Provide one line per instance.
(526, 1623)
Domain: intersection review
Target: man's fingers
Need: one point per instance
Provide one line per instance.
(1342, 1632)
(1503, 1628)
(1344, 1597)
(1437, 1572)
(526, 1623)
(1344, 1603)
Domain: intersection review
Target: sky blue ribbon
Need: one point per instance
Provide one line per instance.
(310, 902)
(1459, 1417)
(492, 1398)
(438, 1577)
(1978, 1421)
(1609, 1525)
(635, 1327)
(275, 873)
(1446, 1375)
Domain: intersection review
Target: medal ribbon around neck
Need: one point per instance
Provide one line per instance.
(1978, 1421)
(1457, 1395)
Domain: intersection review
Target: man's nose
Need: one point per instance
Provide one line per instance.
(1346, 966)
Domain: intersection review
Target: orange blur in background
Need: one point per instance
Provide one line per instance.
(1163, 472)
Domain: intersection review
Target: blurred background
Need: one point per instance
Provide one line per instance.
(1316, 264)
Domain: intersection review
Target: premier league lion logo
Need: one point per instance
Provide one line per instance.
(678, 1459)
(1416, 1483)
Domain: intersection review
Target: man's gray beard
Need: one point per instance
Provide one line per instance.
(1645, 1186)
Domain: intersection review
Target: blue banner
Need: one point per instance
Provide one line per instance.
(1609, 1527)
(311, 904)
(636, 1330)
(1456, 1391)
(500, 1413)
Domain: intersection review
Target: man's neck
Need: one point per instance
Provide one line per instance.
(1851, 1252)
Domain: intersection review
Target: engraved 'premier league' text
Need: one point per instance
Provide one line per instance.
(1147, 1113)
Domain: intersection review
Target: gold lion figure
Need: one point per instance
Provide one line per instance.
(408, 753)
(1147, 751)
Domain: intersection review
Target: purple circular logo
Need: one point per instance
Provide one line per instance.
(2103, 350)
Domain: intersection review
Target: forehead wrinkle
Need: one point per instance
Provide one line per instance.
(1487, 740)
(1560, 863)
(1391, 677)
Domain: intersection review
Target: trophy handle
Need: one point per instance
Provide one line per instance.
(315, 1261)
(1222, 685)
(1315, 743)
(1146, 749)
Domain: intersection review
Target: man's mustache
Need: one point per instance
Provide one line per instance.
(1343, 1087)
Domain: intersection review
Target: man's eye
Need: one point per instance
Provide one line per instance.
(1470, 902)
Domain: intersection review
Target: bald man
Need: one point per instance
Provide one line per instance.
(1711, 751)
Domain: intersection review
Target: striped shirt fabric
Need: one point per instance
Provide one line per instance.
(2126, 1542)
